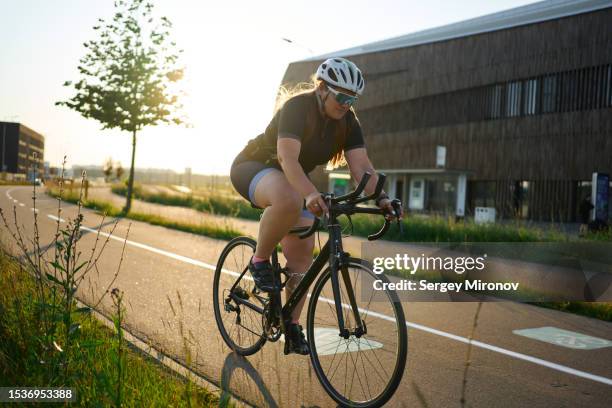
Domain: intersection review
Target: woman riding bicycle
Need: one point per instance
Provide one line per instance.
(310, 129)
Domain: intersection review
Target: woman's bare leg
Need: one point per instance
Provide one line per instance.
(283, 206)
(298, 253)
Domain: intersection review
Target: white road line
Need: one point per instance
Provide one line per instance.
(21, 204)
(509, 353)
(54, 218)
(157, 251)
(490, 347)
(34, 209)
(475, 343)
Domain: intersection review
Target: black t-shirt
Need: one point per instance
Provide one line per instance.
(291, 122)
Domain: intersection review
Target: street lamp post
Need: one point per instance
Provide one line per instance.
(290, 41)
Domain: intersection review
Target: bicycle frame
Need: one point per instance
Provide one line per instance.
(333, 253)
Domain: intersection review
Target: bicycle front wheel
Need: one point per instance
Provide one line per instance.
(365, 369)
(238, 305)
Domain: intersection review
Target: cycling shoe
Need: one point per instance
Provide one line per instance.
(263, 275)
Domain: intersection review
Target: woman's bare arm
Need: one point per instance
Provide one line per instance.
(359, 162)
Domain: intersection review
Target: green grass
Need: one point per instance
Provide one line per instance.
(92, 368)
(212, 204)
(416, 229)
(600, 236)
(439, 229)
(15, 183)
(212, 230)
(597, 310)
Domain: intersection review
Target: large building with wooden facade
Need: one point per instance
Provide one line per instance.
(511, 111)
(22, 151)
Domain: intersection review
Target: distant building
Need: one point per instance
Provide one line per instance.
(511, 110)
(22, 150)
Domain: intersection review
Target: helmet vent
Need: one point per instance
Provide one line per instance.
(351, 74)
(342, 73)
(332, 75)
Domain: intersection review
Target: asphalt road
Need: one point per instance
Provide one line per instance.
(167, 277)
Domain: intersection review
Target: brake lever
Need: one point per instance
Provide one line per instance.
(397, 205)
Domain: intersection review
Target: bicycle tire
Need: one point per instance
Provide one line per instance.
(384, 316)
(232, 324)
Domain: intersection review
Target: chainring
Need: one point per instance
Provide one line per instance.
(270, 323)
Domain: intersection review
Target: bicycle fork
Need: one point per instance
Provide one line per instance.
(338, 261)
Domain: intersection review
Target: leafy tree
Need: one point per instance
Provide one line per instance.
(127, 75)
(119, 171)
(107, 168)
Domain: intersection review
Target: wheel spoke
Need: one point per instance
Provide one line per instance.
(364, 370)
(246, 336)
(339, 361)
(369, 363)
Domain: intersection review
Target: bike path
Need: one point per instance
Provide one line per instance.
(434, 373)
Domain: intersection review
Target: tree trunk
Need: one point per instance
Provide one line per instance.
(130, 187)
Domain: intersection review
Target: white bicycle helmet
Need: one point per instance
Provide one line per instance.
(342, 73)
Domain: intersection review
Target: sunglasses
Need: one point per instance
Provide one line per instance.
(342, 98)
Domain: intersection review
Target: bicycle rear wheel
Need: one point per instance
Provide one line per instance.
(361, 371)
(238, 305)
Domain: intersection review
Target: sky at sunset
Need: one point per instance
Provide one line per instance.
(234, 57)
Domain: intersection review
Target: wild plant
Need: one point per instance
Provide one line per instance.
(59, 269)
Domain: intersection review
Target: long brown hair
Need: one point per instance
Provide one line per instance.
(312, 118)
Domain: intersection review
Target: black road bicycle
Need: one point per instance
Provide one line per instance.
(357, 335)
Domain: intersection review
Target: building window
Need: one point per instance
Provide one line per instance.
(567, 91)
(524, 202)
(513, 99)
(549, 94)
(531, 94)
(580, 89)
(495, 102)
(608, 87)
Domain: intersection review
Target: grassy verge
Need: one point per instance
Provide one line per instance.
(416, 229)
(212, 204)
(439, 229)
(95, 357)
(15, 183)
(213, 230)
(597, 310)
(600, 235)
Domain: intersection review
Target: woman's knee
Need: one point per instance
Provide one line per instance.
(298, 252)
